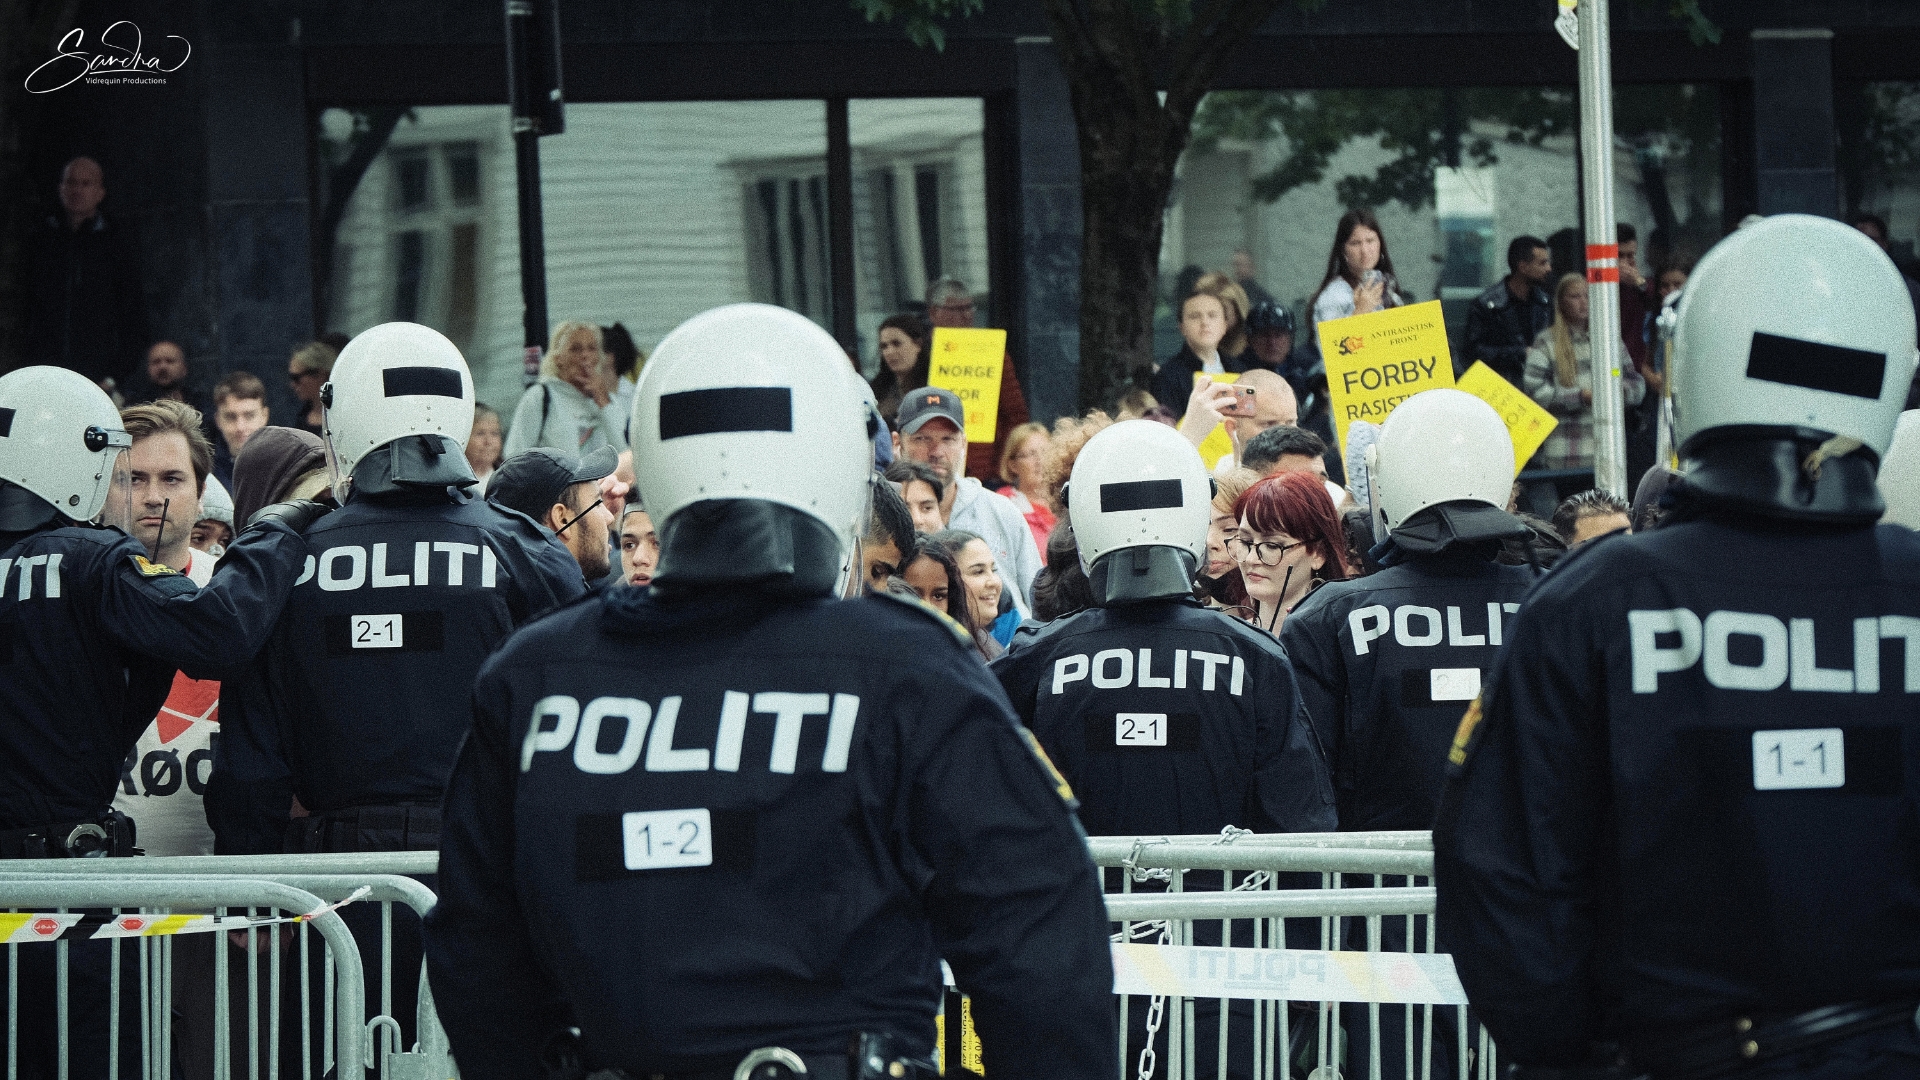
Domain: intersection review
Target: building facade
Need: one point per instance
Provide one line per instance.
(709, 144)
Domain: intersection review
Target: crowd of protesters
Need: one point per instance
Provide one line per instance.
(976, 528)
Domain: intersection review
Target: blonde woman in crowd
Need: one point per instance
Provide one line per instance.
(572, 407)
(1559, 375)
(1023, 466)
(484, 444)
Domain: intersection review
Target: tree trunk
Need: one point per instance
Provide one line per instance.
(1127, 163)
(1118, 54)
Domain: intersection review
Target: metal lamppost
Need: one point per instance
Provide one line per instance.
(1603, 243)
(538, 108)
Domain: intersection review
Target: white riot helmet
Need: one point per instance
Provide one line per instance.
(1794, 321)
(395, 380)
(749, 407)
(1447, 449)
(1793, 348)
(1899, 477)
(62, 441)
(1141, 486)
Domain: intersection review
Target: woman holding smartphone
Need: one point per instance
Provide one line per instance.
(1359, 270)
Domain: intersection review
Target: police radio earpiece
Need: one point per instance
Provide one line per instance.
(578, 516)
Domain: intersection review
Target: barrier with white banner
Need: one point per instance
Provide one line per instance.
(1286, 975)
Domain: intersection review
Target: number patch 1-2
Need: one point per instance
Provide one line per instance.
(1802, 758)
(661, 839)
(1140, 729)
(378, 631)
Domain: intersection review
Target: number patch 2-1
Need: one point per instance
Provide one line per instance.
(1140, 729)
(378, 632)
(662, 839)
(1800, 758)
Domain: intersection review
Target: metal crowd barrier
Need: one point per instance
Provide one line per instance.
(1263, 956)
(1271, 957)
(125, 883)
(344, 1052)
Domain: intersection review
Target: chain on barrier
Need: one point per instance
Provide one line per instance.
(1162, 929)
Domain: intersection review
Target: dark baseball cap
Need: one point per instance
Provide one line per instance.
(533, 480)
(926, 403)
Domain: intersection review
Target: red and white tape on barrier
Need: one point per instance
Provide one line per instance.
(17, 927)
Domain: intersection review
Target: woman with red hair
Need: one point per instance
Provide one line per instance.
(1289, 540)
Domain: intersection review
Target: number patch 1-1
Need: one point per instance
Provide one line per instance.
(1801, 758)
(662, 839)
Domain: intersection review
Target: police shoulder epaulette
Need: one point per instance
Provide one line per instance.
(1466, 736)
(927, 611)
(166, 577)
(146, 567)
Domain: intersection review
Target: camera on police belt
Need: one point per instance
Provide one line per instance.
(870, 1056)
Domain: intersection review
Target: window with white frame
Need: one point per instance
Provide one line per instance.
(434, 232)
(788, 261)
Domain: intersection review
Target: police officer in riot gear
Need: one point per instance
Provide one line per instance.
(1164, 715)
(728, 824)
(1388, 662)
(1167, 717)
(1681, 814)
(91, 631)
(358, 703)
(406, 590)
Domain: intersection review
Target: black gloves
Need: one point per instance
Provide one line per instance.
(296, 515)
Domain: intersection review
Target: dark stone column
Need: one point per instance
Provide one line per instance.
(1047, 265)
(257, 221)
(1793, 122)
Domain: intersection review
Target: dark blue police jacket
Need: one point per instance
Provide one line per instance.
(722, 824)
(1689, 791)
(91, 633)
(360, 697)
(1169, 718)
(1387, 665)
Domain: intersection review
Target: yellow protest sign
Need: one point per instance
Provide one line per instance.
(1378, 360)
(1527, 421)
(1218, 443)
(968, 363)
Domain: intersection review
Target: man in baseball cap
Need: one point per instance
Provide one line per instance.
(933, 431)
(560, 490)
